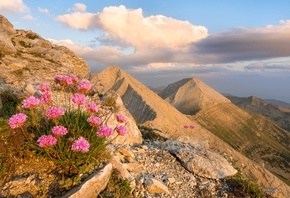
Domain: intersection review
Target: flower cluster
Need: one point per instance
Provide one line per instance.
(17, 120)
(84, 86)
(189, 126)
(94, 121)
(30, 103)
(79, 99)
(105, 131)
(73, 132)
(81, 145)
(54, 112)
(59, 130)
(46, 141)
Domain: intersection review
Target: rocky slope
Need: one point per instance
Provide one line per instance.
(27, 58)
(251, 134)
(160, 115)
(277, 113)
(186, 163)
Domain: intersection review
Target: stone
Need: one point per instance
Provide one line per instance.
(156, 187)
(123, 171)
(133, 135)
(125, 151)
(93, 185)
(200, 161)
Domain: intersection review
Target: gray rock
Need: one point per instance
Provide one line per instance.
(92, 186)
(200, 161)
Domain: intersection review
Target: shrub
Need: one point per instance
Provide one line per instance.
(68, 128)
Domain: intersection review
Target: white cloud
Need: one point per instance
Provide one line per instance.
(126, 27)
(43, 10)
(78, 7)
(13, 6)
(28, 17)
(77, 20)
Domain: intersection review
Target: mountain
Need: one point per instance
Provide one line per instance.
(249, 133)
(277, 102)
(25, 57)
(277, 113)
(191, 95)
(151, 111)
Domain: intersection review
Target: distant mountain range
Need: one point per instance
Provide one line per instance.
(280, 114)
(250, 133)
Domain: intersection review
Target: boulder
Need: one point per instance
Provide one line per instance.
(92, 186)
(199, 160)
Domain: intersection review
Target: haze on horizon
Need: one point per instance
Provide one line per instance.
(240, 48)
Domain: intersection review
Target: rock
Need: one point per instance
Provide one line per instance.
(133, 135)
(92, 186)
(156, 187)
(125, 151)
(200, 161)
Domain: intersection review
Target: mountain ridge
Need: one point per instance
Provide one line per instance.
(249, 133)
(174, 128)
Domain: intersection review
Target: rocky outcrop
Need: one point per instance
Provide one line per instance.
(133, 135)
(199, 160)
(25, 57)
(91, 188)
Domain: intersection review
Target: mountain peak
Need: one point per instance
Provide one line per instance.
(191, 95)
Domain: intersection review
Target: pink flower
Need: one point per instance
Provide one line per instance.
(81, 144)
(30, 102)
(66, 80)
(191, 126)
(58, 79)
(122, 130)
(92, 108)
(94, 121)
(46, 141)
(120, 118)
(44, 87)
(185, 126)
(74, 78)
(84, 86)
(54, 112)
(79, 99)
(45, 98)
(59, 130)
(17, 120)
(105, 131)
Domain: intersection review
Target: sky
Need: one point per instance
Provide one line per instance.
(240, 48)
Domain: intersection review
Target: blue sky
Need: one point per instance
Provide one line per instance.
(237, 47)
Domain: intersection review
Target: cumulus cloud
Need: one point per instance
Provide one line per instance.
(13, 6)
(127, 27)
(245, 44)
(43, 10)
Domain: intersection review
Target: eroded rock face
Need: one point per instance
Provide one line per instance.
(200, 161)
(25, 57)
